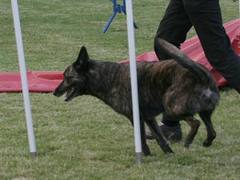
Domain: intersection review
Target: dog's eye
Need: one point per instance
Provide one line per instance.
(68, 79)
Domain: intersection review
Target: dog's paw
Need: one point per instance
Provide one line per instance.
(207, 143)
(167, 150)
(146, 151)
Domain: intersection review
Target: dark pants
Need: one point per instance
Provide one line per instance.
(205, 17)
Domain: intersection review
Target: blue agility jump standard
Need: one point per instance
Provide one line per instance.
(117, 8)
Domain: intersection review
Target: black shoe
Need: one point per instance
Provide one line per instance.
(171, 133)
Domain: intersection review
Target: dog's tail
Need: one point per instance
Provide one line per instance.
(184, 60)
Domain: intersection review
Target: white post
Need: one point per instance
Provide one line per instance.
(22, 65)
(134, 85)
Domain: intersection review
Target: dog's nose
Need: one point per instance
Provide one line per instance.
(55, 93)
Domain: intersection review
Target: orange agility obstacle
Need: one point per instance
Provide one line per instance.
(46, 81)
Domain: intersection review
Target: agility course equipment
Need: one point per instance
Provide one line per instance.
(46, 81)
(24, 80)
(117, 9)
(38, 81)
(134, 84)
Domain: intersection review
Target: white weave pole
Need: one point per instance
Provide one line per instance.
(22, 66)
(134, 85)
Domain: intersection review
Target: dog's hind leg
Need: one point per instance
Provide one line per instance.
(194, 125)
(153, 126)
(211, 133)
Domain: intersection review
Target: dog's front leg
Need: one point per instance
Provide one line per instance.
(153, 126)
(145, 147)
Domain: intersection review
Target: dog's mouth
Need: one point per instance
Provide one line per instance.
(70, 94)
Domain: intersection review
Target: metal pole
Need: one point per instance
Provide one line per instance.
(22, 66)
(133, 72)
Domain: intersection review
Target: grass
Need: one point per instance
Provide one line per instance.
(85, 139)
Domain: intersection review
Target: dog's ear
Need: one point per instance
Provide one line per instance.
(83, 54)
(81, 63)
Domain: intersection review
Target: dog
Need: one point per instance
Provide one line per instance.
(179, 87)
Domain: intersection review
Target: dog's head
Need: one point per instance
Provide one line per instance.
(75, 78)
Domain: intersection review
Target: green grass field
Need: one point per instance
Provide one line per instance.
(85, 139)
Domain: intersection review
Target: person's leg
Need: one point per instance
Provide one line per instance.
(205, 15)
(173, 27)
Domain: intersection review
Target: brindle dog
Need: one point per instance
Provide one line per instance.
(179, 87)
